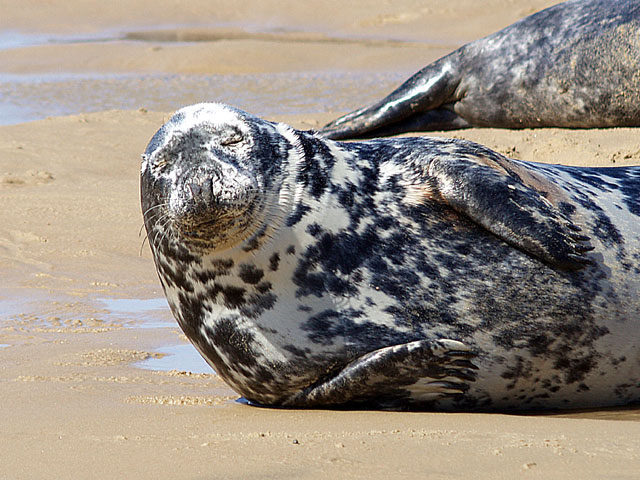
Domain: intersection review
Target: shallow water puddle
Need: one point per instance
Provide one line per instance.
(183, 357)
(139, 313)
(27, 97)
(12, 39)
(36, 309)
(127, 305)
(11, 307)
(16, 39)
(154, 313)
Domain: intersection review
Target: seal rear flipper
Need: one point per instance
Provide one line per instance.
(415, 372)
(426, 90)
(437, 119)
(501, 202)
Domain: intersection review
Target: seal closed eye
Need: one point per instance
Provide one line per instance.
(394, 273)
(571, 65)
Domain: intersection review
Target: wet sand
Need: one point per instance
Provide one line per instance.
(74, 402)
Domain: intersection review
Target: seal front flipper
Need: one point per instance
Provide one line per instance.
(497, 198)
(428, 89)
(415, 372)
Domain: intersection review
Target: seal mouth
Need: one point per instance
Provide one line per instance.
(215, 203)
(219, 227)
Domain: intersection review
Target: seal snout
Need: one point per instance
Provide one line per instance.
(218, 200)
(208, 199)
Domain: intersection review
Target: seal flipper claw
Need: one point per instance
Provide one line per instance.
(422, 370)
(580, 248)
(580, 259)
(579, 238)
(507, 207)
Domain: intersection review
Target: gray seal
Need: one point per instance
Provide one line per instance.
(394, 273)
(572, 65)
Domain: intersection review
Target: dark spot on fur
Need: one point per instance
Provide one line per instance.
(264, 287)
(274, 262)
(315, 165)
(314, 229)
(250, 273)
(295, 351)
(222, 267)
(205, 276)
(257, 304)
(233, 296)
(617, 361)
(606, 231)
(254, 242)
(297, 215)
(576, 368)
(567, 209)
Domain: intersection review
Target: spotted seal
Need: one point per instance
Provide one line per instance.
(572, 65)
(394, 273)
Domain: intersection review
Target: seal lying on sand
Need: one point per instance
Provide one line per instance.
(575, 64)
(412, 272)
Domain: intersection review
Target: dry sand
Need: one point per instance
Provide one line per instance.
(72, 405)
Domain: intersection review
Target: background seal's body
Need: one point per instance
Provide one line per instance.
(576, 64)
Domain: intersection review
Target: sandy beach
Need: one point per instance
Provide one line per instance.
(89, 387)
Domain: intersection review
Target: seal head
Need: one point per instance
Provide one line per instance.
(214, 192)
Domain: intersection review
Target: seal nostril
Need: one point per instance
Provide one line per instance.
(195, 189)
(208, 191)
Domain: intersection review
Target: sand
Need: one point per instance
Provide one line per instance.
(72, 402)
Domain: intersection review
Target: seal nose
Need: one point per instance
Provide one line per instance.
(195, 189)
(201, 191)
